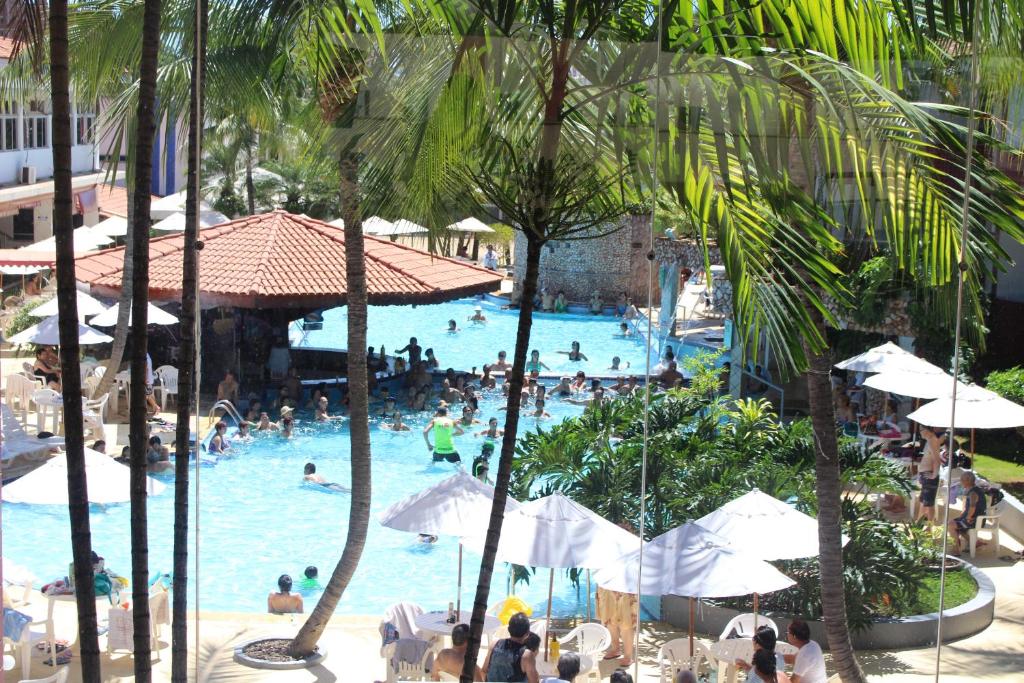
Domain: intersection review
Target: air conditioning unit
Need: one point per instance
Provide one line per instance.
(28, 175)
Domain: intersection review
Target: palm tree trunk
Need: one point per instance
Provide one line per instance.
(71, 382)
(829, 491)
(187, 363)
(137, 437)
(508, 445)
(250, 186)
(359, 427)
(124, 302)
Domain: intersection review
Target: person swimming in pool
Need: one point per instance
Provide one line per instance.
(580, 383)
(444, 429)
(535, 364)
(287, 426)
(468, 419)
(624, 330)
(492, 431)
(310, 476)
(480, 462)
(574, 352)
(502, 364)
(617, 364)
(322, 415)
(478, 317)
(561, 304)
(453, 327)
(564, 388)
(389, 409)
(396, 424)
(265, 425)
(538, 412)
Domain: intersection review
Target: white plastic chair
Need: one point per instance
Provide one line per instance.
(30, 637)
(990, 523)
(93, 412)
(589, 639)
(19, 391)
(674, 656)
(743, 626)
(59, 677)
(168, 386)
(407, 671)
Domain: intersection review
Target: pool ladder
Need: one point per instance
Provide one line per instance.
(228, 408)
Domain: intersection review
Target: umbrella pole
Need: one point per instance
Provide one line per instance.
(691, 626)
(551, 590)
(588, 595)
(972, 447)
(458, 598)
(756, 596)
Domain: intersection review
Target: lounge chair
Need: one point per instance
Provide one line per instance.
(17, 442)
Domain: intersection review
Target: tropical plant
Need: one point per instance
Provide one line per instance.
(23, 318)
(1007, 383)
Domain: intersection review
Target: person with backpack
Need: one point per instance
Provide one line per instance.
(512, 659)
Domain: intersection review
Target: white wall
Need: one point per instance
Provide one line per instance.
(82, 157)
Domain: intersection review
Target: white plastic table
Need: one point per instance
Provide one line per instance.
(53, 406)
(436, 623)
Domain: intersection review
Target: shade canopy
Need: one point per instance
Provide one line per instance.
(176, 221)
(10, 258)
(457, 506)
(280, 260)
(106, 479)
(470, 224)
(693, 562)
(162, 207)
(48, 332)
(154, 316)
(765, 527)
(85, 239)
(87, 306)
(337, 223)
(375, 225)
(559, 533)
(913, 384)
(976, 408)
(887, 357)
(115, 226)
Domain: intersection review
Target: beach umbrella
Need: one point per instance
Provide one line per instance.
(470, 224)
(154, 316)
(115, 226)
(106, 479)
(976, 408)
(559, 533)
(84, 239)
(457, 506)
(176, 221)
(886, 357)
(47, 332)
(87, 306)
(913, 384)
(375, 225)
(171, 204)
(693, 562)
(338, 223)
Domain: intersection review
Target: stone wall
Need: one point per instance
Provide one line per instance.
(609, 264)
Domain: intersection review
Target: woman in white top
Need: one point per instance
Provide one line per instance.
(928, 473)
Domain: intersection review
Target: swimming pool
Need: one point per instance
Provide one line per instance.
(478, 344)
(259, 521)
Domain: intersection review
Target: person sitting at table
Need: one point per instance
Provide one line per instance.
(568, 669)
(623, 676)
(49, 372)
(284, 602)
(764, 639)
(511, 660)
(765, 670)
(809, 662)
(450, 659)
(975, 505)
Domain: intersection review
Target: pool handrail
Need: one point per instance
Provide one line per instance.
(228, 408)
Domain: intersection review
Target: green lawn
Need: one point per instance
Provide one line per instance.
(999, 471)
(960, 587)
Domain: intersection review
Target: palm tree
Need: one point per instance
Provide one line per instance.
(71, 387)
(145, 133)
(187, 354)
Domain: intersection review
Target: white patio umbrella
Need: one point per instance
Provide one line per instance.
(470, 224)
(406, 227)
(558, 533)
(87, 306)
(84, 239)
(693, 562)
(913, 384)
(339, 223)
(375, 225)
(176, 221)
(172, 203)
(976, 408)
(115, 226)
(47, 332)
(106, 479)
(886, 357)
(154, 316)
(457, 506)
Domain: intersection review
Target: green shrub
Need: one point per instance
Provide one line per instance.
(1007, 383)
(22, 320)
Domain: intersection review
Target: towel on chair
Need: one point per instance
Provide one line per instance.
(410, 651)
(14, 623)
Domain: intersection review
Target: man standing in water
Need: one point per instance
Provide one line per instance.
(414, 350)
(444, 430)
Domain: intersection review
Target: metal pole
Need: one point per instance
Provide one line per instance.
(962, 263)
(547, 629)
(458, 599)
(588, 596)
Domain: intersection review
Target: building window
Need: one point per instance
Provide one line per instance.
(8, 126)
(86, 128)
(35, 131)
(24, 225)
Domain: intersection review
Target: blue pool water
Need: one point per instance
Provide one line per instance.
(478, 344)
(258, 521)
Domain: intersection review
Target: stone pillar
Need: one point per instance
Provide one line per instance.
(43, 220)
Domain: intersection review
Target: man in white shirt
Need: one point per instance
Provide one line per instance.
(490, 258)
(808, 662)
